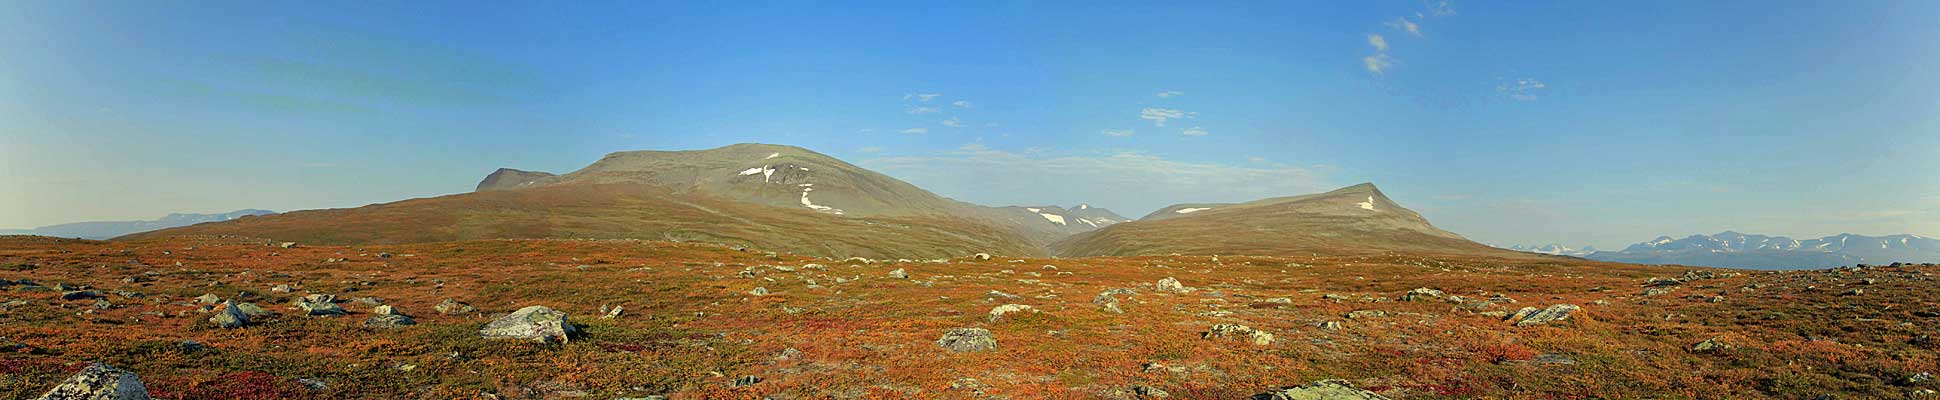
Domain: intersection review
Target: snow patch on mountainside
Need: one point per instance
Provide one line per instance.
(1368, 205)
(1192, 210)
(1054, 218)
(810, 187)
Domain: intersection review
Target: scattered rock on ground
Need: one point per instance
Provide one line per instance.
(1530, 316)
(1170, 284)
(1000, 311)
(1107, 303)
(535, 323)
(1237, 331)
(1332, 389)
(1711, 345)
(228, 316)
(453, 306)
(1423, 294)
(968, 340)
(320, 305)
(99, 382)
(388, 321)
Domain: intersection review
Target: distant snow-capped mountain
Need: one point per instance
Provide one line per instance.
(110, 229)
(1553, 249)
(1738, 250)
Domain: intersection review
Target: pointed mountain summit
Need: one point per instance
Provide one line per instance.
(508, 179)
(1356, 218)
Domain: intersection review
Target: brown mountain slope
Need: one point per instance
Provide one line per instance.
(508, 179)
(1353, 219)
(789, 177)
(624, 211)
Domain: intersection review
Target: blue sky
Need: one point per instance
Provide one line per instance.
(1598, 123)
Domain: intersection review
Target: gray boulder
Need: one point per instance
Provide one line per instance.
(1170, 284)
(968, 340)
(1423, 294)
(1106, 302)
(1332, 389)
(320, 305)
(389, 321)
(99, 382)
(252, 310)
(453, 306)
(228, 316)
(1237, 331)
(1531, 316)
(536, 323)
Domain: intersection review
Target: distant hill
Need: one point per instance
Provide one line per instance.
(507, 179)
(1737, 250)
(794, 177)
(99, 230)
(1357, 218)
(787, 198)
(1181, 210)
(771, 197)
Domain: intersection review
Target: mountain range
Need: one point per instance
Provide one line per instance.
(1356, 218)
(109, 229)
(1553, 249)
(1738, 250)
(787, 198)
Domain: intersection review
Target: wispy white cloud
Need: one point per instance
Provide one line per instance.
(921, 110)
(1131, 182)
(1117, 132)
(1405, 25)
(1378, 63)
(953, 122)
(1160, 115)
(921, 97)
(1380, 43)
(1170, 94)
(1194, 131)
(916, 130)
(962, 104)
(1523, 89)
(1440, 8)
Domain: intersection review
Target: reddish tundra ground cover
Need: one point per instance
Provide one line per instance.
(710, 322)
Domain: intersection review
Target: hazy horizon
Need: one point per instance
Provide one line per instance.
(1506, 123)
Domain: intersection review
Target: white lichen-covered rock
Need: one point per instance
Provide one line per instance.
(99, 382)
(964, 340)
(1530, 316)
(319, 305)
(1237, 331)
(536, 323)
(1423, 294)
(899, 273)
(1106, 302)
(453, 306)
(1332, 389)
(1170, 284)
(1000, 311)
(228, 316)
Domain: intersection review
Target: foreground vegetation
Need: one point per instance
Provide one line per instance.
(693, 326)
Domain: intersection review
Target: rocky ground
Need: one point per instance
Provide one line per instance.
(228, 318)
